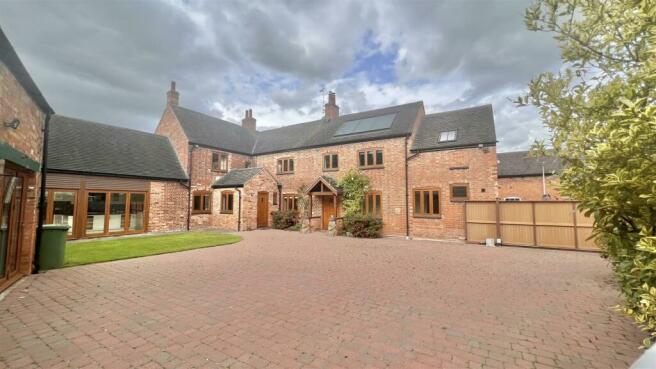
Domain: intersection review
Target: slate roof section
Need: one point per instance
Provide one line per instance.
(9, 58)
(80, 146)
(209, 131)
(518, 164)
(236, 178)
(322, 133)
(474, 126)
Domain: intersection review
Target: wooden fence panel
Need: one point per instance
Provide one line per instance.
(555, 224)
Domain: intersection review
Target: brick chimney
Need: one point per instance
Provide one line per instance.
(172, 96)
(249, 122)
(331, 110)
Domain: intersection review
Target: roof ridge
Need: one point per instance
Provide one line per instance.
(458, 110)
(207, 115)
(108, 125)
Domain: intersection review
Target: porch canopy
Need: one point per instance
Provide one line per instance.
(324, 186)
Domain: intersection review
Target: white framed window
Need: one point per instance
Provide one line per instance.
(447, 136)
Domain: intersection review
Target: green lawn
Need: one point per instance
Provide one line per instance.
(87, 252)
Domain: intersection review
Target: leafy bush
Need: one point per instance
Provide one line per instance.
(362, 225)
(354, 185)
(283, 219)
(600, 110)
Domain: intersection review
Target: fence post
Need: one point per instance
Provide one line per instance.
(576, 231)
(498, 216)
(535, 226)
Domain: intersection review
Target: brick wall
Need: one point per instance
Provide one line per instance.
(439, 169)
(262, 182)
(167, 210)
(202, 178)
(27, 138)
(390, 180)
(221, 220)
(529, 188)
(170, 127)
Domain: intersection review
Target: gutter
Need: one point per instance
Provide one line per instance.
(189, 168)
(239, 211)
(407, 206)
(42, 196)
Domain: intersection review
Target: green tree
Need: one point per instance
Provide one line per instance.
(600, 108)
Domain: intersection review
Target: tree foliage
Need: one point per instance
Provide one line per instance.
(600, 108)
(354, 185)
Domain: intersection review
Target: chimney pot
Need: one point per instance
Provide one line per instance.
(172, 96)
(331, 110)
(249, 122)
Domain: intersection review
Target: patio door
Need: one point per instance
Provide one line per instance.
(11, 220)
(262, 209)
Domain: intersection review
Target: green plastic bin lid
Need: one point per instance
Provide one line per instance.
(62, 227)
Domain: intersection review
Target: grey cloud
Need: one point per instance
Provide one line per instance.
(112, 61)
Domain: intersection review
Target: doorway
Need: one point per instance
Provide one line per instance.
(329, 206)
(262, 209)
(12, 194)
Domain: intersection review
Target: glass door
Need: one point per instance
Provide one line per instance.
(137, 212)
(117, 212)
(61, 205)
(95, 219)
(10, 222)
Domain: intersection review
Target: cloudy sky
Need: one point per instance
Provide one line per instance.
(112, 61)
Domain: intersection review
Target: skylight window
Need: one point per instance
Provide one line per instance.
(447, 136)
(378, 123)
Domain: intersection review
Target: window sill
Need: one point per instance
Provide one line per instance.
(459, 200)
(372, 167)
(201, 212)
(330, 170)
(428, 216)
(284, 173)
(226, 212)
(219, 171)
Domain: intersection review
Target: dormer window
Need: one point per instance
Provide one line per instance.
(447, 136)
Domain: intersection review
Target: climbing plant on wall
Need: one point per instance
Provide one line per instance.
(353, 185)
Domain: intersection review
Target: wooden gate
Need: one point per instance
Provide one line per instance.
(554, 224)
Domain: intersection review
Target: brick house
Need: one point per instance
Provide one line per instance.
(103, 180)
(421, 166)
(23, 117)
(520, 177)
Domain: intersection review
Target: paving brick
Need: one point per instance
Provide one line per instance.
(286, 300)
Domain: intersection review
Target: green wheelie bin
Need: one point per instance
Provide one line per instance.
(53, 246)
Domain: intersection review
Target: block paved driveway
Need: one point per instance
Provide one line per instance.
(285, 300)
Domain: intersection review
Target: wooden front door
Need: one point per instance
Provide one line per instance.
(327, 210)
(262, 209)
(12, 195)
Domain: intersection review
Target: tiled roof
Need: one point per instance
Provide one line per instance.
(9, 58)
(236, 177)
(76, 145)
(209, 131)
(473, 126)
(519, 164)
(322, 132)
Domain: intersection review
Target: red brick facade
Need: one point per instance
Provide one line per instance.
(529, 188)
(15, 103)
(474, 167)
(167, 210)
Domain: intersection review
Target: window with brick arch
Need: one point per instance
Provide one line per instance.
(202, 202)
(290, 201)
(219, 162)
(227, 202)
(285, 166)
(426, 202)
(373, 204)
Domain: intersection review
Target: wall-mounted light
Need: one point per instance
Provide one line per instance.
(13, 124)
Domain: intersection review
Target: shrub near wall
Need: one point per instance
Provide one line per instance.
(362, 225)
(284, 219)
